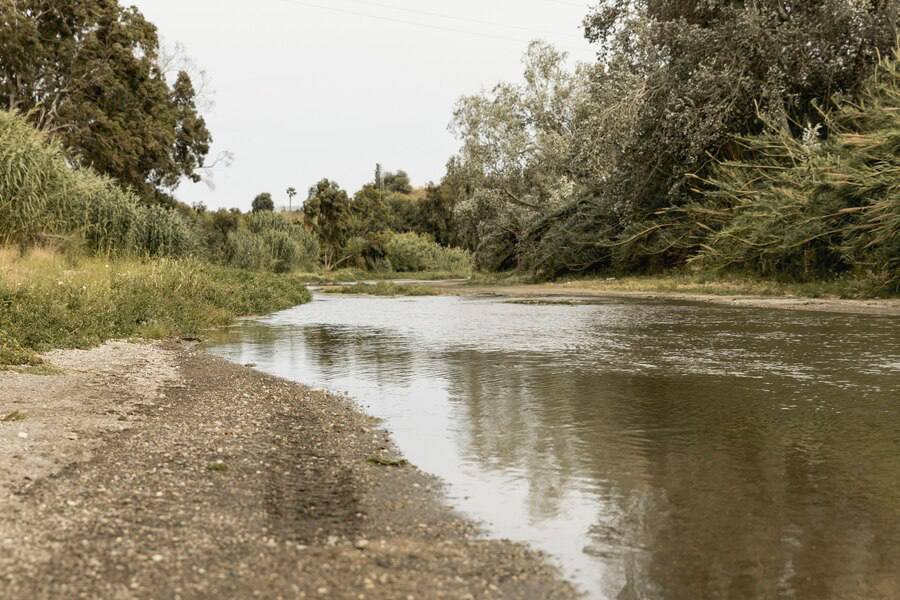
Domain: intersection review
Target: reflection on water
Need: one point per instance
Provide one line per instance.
(658, 450)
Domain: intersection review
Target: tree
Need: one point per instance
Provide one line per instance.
(709, 67)
(87, 71)
(576, 170)
(263, 203)
(397, 182)
(436, 214)
(379, 179)
(327, 213)
(291, 194)
(370, 210)
(515, 163)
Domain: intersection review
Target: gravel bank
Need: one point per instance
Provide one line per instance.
(150, 471)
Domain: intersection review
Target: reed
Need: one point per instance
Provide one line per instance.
(43, 197)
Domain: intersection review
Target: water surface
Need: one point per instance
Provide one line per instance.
(656, 450)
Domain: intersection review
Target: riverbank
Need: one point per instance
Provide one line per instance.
(156, 470)
(720, 292)
(586, 290)
(52, 300)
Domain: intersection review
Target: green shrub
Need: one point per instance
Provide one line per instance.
(269, 242)
(246, 250)
(407, 252)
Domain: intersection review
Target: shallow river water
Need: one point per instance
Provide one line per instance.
(654, 449)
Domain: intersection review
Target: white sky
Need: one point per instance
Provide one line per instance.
(306, 89)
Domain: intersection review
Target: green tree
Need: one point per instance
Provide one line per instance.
(327, 213)
(370, 210)
(397, 182)
(87, 71)
(515, 164)
(263, 203)
(709, 67)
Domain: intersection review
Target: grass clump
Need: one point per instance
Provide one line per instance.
(383, 288)
(12, 352)
(45, 304)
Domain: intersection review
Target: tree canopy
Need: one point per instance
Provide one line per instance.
(569, 169)
(263, 203)
(327, 213)
(87, 71)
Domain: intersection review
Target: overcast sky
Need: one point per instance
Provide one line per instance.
(306, 89)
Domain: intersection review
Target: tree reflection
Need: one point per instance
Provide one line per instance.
(709, 489)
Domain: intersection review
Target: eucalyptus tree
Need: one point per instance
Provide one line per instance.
(517, 154)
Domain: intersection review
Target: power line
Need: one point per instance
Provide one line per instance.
(575, 4)
(455, 18)
(415, 23)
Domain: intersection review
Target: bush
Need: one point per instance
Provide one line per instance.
(271, 243)
(409, 252)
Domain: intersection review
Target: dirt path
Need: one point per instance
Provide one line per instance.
(144, 471)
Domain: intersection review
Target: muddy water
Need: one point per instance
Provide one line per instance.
(656, 450)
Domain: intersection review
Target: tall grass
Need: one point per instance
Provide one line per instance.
(45, 304)
(42, 195)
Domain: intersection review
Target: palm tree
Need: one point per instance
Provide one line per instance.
(291, 192)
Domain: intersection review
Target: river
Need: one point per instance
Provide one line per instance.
(653, 449)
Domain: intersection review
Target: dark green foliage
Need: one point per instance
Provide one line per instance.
(613, 167)
(327, 214)
(397, 182)
(263, 202)
(428, 211)
(87, 70)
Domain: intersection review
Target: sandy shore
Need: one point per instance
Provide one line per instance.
(159, 471)
(883, 307)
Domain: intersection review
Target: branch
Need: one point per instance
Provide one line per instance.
(516, 200)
